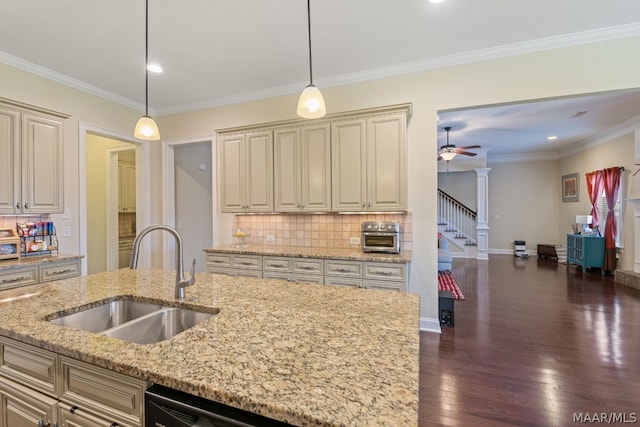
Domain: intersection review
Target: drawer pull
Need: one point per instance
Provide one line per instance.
(343, 270)
(382, 273)
(73, 409)
(245, 263)
(307, 267)
(66, 270)
(16, 279)
(278, 265)
(217, 261)
(42, 424)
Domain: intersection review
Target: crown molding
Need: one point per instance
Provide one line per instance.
(548, 43)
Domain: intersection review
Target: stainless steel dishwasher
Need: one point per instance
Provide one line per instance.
(165, 407)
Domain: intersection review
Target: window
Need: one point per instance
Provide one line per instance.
(617, 210)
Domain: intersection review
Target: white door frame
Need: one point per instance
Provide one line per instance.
(169, 184)
(143, 187)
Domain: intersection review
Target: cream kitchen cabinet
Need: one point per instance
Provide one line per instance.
(126, 187)
(246, 171)
(369, 164)
(296, 269)
(31, 160)
(23, 407)
(302, 168)
(367, 275)
(32, 273)
(235, 265)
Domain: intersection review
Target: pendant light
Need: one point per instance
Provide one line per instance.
(311, 103)
(146, 128)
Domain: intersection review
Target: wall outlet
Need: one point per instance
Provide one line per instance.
(66, 231)
(354, 240)
(66, 214)
(271, 238)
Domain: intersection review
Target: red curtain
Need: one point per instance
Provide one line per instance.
(595, 184)
(611, 188)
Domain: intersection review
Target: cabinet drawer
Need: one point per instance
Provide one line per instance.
(305, 265)
(219, 260)
(253, 262)
(71, 416)
(280, 275)
(343, 268)
(56, 271)
(344, 281)
(385, 286)
(102, 391)
(277, 264)
(236, 272)
(317, 279)
(385, 271)
(16, 277)
(28, 365)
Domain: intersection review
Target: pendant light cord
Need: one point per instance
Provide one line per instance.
(309, 32)
(146, 59)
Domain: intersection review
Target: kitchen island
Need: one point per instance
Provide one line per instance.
(300, 353)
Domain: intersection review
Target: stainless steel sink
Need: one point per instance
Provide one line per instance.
(158, 326)
(107, 315)
(135, 321)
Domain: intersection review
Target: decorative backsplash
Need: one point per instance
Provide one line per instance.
(316, 231)
(127, 224)
(11, 221)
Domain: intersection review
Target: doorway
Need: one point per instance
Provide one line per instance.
(193, 202)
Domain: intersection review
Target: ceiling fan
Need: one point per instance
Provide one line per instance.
(449, 151)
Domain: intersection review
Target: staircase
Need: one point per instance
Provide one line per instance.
(457, 223)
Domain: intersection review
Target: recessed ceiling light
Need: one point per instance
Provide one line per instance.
(552, 137)
(154, 68)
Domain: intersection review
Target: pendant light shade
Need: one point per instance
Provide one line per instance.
(146, 128)
(311, 103)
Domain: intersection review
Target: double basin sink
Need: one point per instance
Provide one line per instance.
(134, 320)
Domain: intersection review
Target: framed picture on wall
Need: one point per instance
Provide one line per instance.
(570, 188)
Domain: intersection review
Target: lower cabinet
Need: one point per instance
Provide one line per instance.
(356, 274)
(23, 407)
(37, 384)
(30, 274)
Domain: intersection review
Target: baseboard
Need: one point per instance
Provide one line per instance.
(430, 324)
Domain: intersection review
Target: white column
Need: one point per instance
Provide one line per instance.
(635, 199)
(482, 227)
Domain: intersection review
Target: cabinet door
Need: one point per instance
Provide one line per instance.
(348, 165)
(22, 407)
(315, 168)
(387, 163)
(286, 169)
(231, 179)
(130, 187)
(42, 165)
(9, 160)
(259, 171)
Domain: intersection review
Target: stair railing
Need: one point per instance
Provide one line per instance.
(457, 217)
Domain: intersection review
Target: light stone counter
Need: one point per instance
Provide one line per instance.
(31, 260)
(305, 354)
(300, 251)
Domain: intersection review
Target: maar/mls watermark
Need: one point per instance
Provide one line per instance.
(605, 417)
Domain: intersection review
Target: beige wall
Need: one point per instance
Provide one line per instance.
(462, 186)
(579, 69)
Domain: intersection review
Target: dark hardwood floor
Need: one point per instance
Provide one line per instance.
(533, 344)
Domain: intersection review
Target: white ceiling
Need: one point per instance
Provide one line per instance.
(218, 52)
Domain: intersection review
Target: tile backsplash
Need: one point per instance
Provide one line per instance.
(316, 230)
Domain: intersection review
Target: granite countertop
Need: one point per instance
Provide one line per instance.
(36, 259)
(310, 355)
(308, 252)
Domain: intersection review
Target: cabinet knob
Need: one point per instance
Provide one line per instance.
(42, 424)
(17, 205)
(26, 206)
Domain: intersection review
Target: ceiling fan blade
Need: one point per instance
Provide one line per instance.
(469, 146)
(466, 153)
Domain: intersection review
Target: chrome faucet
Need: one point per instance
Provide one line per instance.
(181, 282)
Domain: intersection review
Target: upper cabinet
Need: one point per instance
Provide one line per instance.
(302, 168)
(348, 162)
(31, 161)
(246, 171)
(369, 163)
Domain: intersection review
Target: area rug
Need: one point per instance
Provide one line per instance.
(446, 282)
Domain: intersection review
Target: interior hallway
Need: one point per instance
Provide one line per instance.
(532, 344)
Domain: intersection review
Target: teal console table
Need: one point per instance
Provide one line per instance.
(585, 251)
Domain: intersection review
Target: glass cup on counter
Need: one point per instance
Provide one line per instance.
(240, 236)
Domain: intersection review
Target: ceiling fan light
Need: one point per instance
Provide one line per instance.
(448, 155)
(311, 103)
(146, 129)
